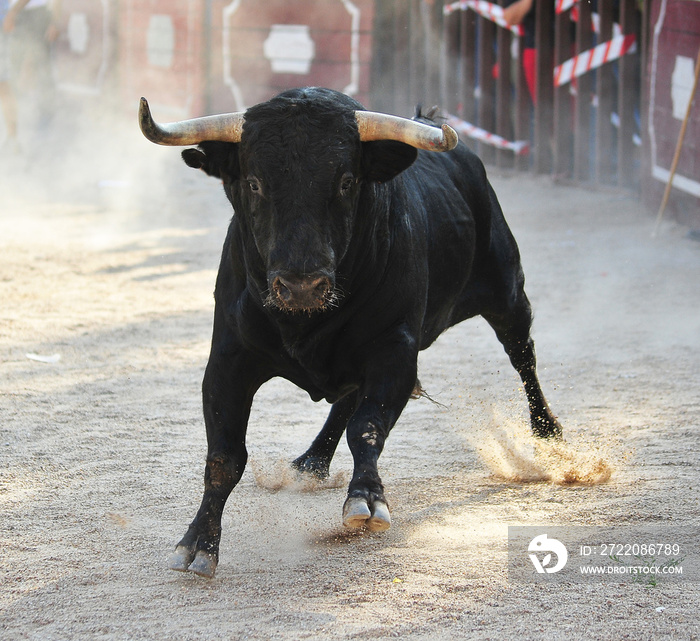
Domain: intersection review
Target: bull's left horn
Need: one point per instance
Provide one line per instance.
(222, 127)
(376, 126)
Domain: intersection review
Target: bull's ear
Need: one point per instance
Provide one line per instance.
(384, 159)
(194, 158)
(218, 159)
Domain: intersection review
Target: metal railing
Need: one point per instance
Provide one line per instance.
(581, 124)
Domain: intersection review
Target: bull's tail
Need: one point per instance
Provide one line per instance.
(430, 117)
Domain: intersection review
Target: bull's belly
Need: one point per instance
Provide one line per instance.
(320, 387)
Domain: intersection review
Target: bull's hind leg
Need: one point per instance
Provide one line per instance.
(317, 459)
(513, 330)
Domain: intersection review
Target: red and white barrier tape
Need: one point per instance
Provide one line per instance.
(562, 5)
(472, 131)
(495, 13)
(487, 10)
(593, 58)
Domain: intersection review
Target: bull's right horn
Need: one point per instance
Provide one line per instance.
(376, 126)
(222, 127)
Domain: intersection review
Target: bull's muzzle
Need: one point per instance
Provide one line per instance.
(301, 293)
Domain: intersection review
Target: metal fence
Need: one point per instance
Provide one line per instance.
(582, 121)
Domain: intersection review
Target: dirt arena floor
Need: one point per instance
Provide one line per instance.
(107, 270)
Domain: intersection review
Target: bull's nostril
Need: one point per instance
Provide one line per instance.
(281, 289)
(321, 286)
(303, 292)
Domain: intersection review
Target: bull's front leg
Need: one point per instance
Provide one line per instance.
(228, 389)
(390, 380)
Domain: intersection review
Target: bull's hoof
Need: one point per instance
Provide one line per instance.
(317, 466)
(185, 559)
(204, 564)
(546, 427)
(357, 514)
(381, 518)
(181, 558)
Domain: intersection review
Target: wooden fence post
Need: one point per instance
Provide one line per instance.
(544, 109)
(504, 157)
(563, 116)
(584, 98)
(627, 98)
(487, 106)
(605, 147)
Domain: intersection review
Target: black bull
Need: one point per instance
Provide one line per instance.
(348, 253)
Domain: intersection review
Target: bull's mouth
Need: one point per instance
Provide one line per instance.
(306, 294)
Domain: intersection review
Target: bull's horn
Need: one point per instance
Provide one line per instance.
(375, 126)
(222, 127)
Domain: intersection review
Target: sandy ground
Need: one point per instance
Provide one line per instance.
(102, 448)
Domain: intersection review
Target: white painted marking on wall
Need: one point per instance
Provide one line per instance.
(290, 48)
(160, 41)
(682, 80)
(78, 33)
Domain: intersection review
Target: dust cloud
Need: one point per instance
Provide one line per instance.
(275, 474)
(511, 453)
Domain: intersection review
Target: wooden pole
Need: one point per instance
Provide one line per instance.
(679, 145)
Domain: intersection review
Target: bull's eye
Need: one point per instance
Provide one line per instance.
(254, 185)
(346, 183)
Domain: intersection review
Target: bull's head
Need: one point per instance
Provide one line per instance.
(294, 168)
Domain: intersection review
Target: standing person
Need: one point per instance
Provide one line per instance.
(8, 103)
(32, 27)
(523, 12)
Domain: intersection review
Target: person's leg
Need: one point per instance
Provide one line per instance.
(529, 67)
(8, 103)
(9, 109)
